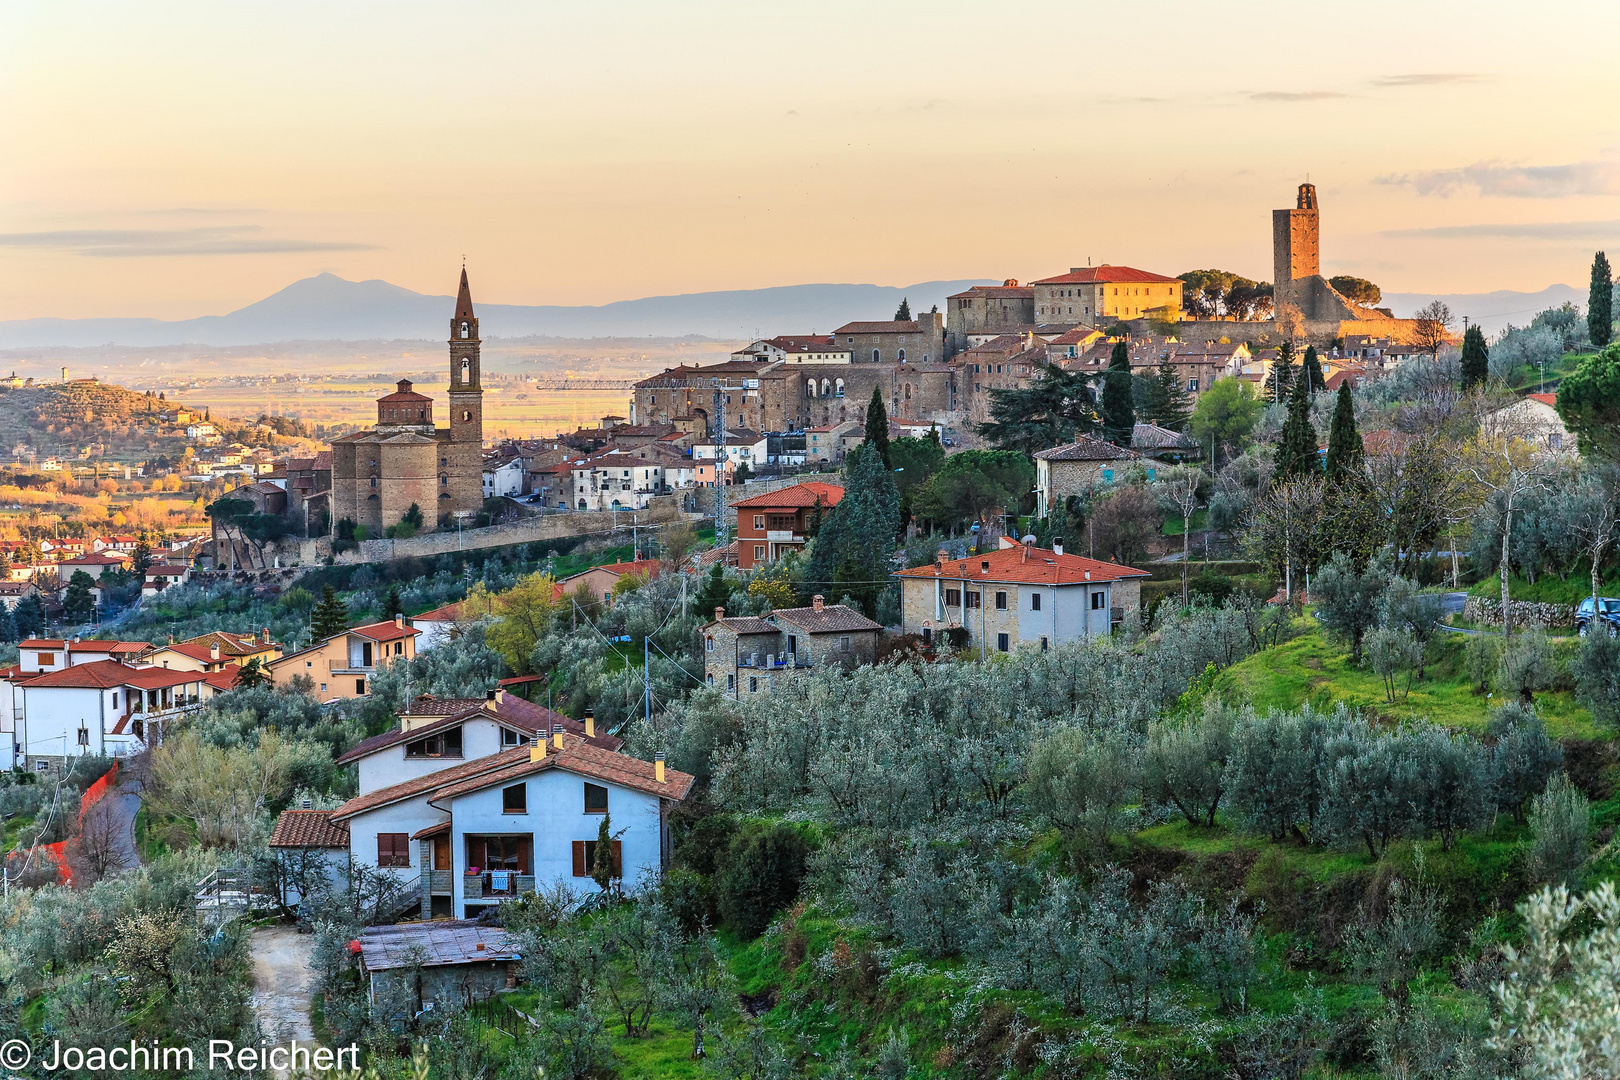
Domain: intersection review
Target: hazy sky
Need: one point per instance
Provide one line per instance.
(176, 159)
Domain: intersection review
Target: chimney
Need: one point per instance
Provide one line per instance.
(658, 767)
(556, 736)
(1057, 545)
(500, 697)
(264, 634)
(1088, 575)
(537, 751)
(719, 613)
(489, 695)
(816, 601)
(590, 724)
(213, 650)
(399, 620)
(1023, 555)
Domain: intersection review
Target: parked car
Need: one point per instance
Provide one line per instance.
(1609, 618)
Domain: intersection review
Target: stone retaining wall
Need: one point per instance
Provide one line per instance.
(1487, 612)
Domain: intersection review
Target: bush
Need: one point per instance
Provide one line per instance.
(1561, 827)
(1596, 670)
(1480, 657)
(1392, 652)
(1526, 666)
(764, 867)
(1522, 759)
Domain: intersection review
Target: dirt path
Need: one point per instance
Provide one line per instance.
(282, 980)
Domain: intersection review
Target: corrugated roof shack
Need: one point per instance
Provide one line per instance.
(451, 962)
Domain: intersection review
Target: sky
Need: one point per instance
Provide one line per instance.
(175, 159)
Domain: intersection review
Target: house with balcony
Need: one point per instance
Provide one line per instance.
(746, 656)
(742, 447)
(101, 707)
(1019, 596)
(772, 524)
(342, 665)
(216, 651)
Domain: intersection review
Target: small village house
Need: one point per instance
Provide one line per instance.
(342, 665)
(772, 524)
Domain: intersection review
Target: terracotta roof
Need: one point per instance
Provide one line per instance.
(1086, 275)
(98, 674)
(309, 828)
(383, 631)
(1086, 448)
(196, 652)
(792, 343)
(95, 559)
(167, 571)
(416, 785)
(1545, 399)
(447, 613)
(42, 643)
(648, 567)
(230, 644)
(831, 619)
(102, 645)
(889, 327)
(581, 760)
(512, 711)
(151, 678)
(441, 829)
(224, 679)
(745, 624)
(1038, 567)
(805, 494)
(1014, 292)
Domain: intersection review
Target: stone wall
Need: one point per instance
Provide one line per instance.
(663, 508)
(1487, 612)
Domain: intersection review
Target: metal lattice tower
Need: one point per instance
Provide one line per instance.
(719, 468)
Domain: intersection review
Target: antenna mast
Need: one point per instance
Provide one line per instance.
(720, 470)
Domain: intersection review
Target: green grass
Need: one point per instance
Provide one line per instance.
(1314, 667)
(1172, 524)
(1548, 589)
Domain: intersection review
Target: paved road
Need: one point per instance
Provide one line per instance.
(282, 980)
(123, 804)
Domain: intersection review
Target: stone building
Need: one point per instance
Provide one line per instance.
(746, 656)
(795, 349)
(917, 341)
(984, 309)
(1075, 469)
(1099, 294)
(406, 459)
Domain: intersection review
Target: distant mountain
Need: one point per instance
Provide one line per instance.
(328, 308)
(1493, 311)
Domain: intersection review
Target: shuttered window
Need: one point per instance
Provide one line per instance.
(585, 856)
(393, 849)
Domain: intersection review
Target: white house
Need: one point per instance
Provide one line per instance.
(742, 446)
(160, 576)
(795, 349)
(435, 625)
(503, 478)
(1535, 417)
(311, 831)
(615, 481)
(100, 707)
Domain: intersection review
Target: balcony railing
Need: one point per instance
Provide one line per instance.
(481, 887)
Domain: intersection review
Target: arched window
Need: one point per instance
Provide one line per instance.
(826, 387)
(876, 356)
(466, 369)
(839, 390)
(466, 331)
(810, 387)
(466, 415)
(908, 391)
(900, 356)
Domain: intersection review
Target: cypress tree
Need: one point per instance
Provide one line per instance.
(714, 593)
(1313, 370)
(1475, 362)
(1118, 413)
(1600, 302)
(1296, 450)
(330, 615)
(877, 426)
(1344, 452)
(1280, 383)
(903, 313)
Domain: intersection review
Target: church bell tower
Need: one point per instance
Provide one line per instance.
(464, 452)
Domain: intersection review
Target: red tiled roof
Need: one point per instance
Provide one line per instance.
(582, 760)
(512, 711)
(95, 559)
(1123, 275)
(889, 327)
(97, 675)
(42, 643)
(309, 828)
(1545, 399)
(805, 494)
(417, 785)
(224, 679)
(384, 631)
(1040, 567)
(157, 678)
(446, 613)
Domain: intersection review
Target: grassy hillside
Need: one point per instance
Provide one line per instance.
(58, 420)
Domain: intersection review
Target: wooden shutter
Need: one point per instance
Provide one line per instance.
(524, 848)
(579, 859)
(618, 860)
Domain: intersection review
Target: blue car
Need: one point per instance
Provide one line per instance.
(1609, 617)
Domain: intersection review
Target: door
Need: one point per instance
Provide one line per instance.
(441, 853)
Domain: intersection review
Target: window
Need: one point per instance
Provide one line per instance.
(753, 684)
(759, 552)
(709, 679)
(365, 654)
(1001, 601)
(373, 481)
(838, 388)
(585, 858)
(444, 744)
(1043, 644)
(510, 738)
(974, 600)
(843, 643)
(876, 356)
(759, 521)
(1001, 643)
(393, 849)
(900, 356)
(596, 799)
(928, 637)
(1035, 601)
(1098, 600)
(42, 766)
(1192, 385)
(515, 799)
(466, 414)
(708, 643)
(323, 688)
(731, 682)
(360, 686)
(953, 597)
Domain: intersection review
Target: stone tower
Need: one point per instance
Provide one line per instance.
(1296, 255)
(462, 454)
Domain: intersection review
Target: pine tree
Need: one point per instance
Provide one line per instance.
(877, 426)
(1172, 407)
(1344, 453)
(903, 313)
(713, 594)
(393, 603)
(1280, 383)
(143, 555)
(77, 602)
(1313, 370)
(329, 616)
(1296, 449)
(1600, 302)
(1118, 413)
(1475, 363)
(28, 617)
